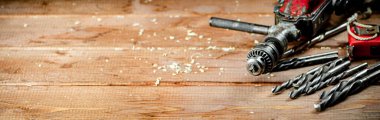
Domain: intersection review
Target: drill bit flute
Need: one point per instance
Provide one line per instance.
(325, 68)
(307, 76)
(336, 70)
(306, 61)
(351, 89)
(355, 77)
(336, 78)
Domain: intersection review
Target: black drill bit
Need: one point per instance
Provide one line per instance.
(355, 87)
(324, 68)
(343, 84)
(336, 78)
(330, 73)
(288, 84)
(305, 61)
(298, 92)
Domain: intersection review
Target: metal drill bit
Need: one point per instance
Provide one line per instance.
(288, 84)
(324, 68)
(305, 61)
(355, 87)
(298, 92)
(336, 78)
(330, 73)
(343, 84)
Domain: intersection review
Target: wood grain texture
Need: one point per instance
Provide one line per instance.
(135, 7)
(69, 59)
(110, 66)
(193, 102)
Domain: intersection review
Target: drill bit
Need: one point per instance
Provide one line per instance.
(324, 68)
(298, 92)
(355, 87)
(288, 84)
(305, 61)
(330, 73)
(355, 77)
(336, 78)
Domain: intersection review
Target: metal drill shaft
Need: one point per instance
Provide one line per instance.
(357, 76)
(355, 87)
(343, 84)
(238, 25)
(305, 61)
(324, 68)
(330, 73)
(301, 90)
(336, 78)
(288, 84)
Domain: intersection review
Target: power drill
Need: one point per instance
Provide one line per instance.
(295, 20)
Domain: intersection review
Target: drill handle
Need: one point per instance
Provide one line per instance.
(239, 26)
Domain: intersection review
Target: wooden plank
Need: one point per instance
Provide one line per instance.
(135, 7)
(124, 30)
(113, 65)
(121, 30)
(207, 102)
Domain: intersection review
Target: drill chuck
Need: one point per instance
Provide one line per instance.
(265, 56)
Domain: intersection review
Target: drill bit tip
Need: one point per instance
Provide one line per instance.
(317, 107)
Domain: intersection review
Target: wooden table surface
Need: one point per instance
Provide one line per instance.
(107, 59)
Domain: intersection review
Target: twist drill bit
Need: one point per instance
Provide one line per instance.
(355, 87)
(324, 68)
(288, 84)
(330, 73)
(305, 61)
(336, 78)
(343, 84)
(298, 92)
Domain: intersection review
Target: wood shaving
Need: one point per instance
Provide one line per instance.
(228, 49)
(171, 37)
(325, 48)
(190, 34)
(256, 42)
(187, 38)
(99, 19)
(136, 24)
(120, 16)
(141, 32)
(77, 22)
(157, 81)
(118, 49)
